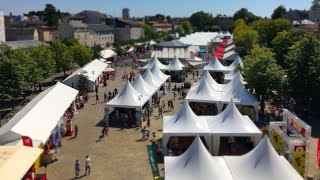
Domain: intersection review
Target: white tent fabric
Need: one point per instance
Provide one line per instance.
(230, 55)
(154, 61)
(107, 53)
(215, 66)
(195, 59)
(203, 93)
(232, 123)
(229, 48)
(175, 65)
(151, 79)
(15, 161)
(262, 163)
(235, 64)
(159, 74)
(142, 87)
(228, 77)
(128, 98)
(227, 34)
(211, 82)
(198, 38)
(196, 164)
(39, 117)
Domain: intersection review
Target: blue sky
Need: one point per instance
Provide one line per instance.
(140, 8)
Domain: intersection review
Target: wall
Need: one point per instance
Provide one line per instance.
(2, 28)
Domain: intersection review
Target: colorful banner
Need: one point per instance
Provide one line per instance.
(295, 122)
(27, 141)
(277, 141)
(299, 158)
(153, 162)
(318, 153)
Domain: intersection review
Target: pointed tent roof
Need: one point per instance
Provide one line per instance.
(185, 122)
(151, 79)
(195, 59)
(227, 34)
(175, 65)
(128, 98)
(159, 74)
(263, 163)
(230, 55)
(203, 93)
(220, 34)
(155, 61)
(211, 82)
(143, 87)
(228, 77)
(235, 63)
(232, 123)
(196, 163)
(216, 66)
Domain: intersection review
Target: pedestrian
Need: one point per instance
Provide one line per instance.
(192, 74)
(88, 165)
(174, 94)
(113, 94)
(163, 105)
(175, 87)
(97, 98)
(77, 168)
(197, 73)
(97, 88)
(106, 129)
(153, 135)
(75, 131)
(105, 96)
(148, 121)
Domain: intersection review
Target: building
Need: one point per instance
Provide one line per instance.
(91, 17)
(126, 29)
(103, 35)
(295, 15)
(161, 26)
(45, 33)
(314, 15)
(18, 34)
(2, 28)
(126, 13)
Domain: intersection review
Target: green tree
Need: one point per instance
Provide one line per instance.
(263, 74)
(303, 68)
(44, 59)
(51, 15)
(62, 56)
(215, 28)
(244, 14)
(81, 54)
(83, 85)
(201, 21)
(268, 29)
(96, 51)
(278, 12)
(244, 37)
(71, 42)
(187, 27)
(283, 41)
(149, 32)
(180, 30)
(315, 5)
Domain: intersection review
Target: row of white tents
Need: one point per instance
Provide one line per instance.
(216, 66)
(174, 65)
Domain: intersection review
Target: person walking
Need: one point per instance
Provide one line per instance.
(97, 98)
(174, 94)
(88, 165)
(192, 74)
(75, 131)
(77, 168)
(197, 73)
(106, 129)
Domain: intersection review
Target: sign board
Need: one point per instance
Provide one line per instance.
(299, 158)
(27, 141)
(153, 162)
(295, 122)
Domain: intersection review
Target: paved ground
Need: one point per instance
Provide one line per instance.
(119, 156)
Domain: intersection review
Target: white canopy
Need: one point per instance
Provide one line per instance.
(229, 48)
(211, 82)
(262, 163)
(155, 62)
(142, 87)
(15, 161)
(198, 38)
(215, 66)
(227, 34)
(159, 74)
(39, 117)
(230, 55)
(195, 59)
(228, 77)
(203, 92)
(151, 79)
(196, 164)
(128, 98)
(107, 53)
(175, 65)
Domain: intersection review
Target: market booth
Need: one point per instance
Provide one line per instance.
(162, 78)
(175, 70)
(262, 163)
(233, 133)
(216, 69)
(154, 61)
(180, 130)
(127, 106)
(93, 71)
(229, 57)
(17, 161)
(228, 77)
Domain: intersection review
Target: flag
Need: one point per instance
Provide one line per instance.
(27, 141)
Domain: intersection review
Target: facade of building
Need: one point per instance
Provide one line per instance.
(161, 26)
(125, 13)
(126, 29)
(18, 34)
(295, 15)
(102, 34)
(91, 17)
(2, 28)
(314, 16)
(45, 33)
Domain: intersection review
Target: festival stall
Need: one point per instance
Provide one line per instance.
(154, 62)
(179, 130)
(93, 71)
(216, 69)
(229, 57)
(168, 49)
(291, 138)
(142, 87)
(228, 77)
(237, 132)
(107, 53)
(162, 78)
(127, 106)
(229, 48)
(227, 35)
(17, 162)
(175, 70)
(196, 163)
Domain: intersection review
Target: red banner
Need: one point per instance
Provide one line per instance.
(27, 141)
(318, 153)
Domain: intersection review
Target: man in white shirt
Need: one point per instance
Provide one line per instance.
(88, 165)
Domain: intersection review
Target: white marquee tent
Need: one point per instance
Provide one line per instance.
(39, 117)
(216, 66)
(175, 65)
(196, 164)
(203, 93)
(229, 48)
(151, 79)
(128, 98)
(228, 77)
(232, 123)
(211, 82)
(198, 38)
(91, 71)
(158, 74)
(154, 61)
(185, 123)
(107, 53)
(230, 55)
(143, 87)
(262, 163)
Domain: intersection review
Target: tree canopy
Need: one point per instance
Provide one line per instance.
(278, 12)
(202, 21)
(81, 54)
(62, 56)
(315, 5)
(246, 15)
